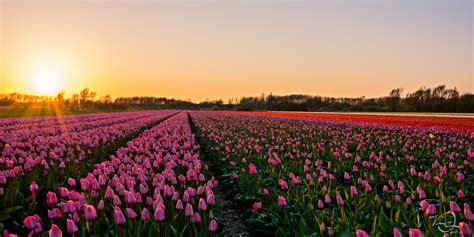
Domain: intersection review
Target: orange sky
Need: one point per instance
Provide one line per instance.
(210, 49)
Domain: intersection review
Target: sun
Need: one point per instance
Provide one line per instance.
(46, 82)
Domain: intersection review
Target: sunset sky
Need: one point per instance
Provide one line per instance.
(231, 48)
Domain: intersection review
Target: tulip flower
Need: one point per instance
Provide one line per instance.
(213, 226)
(397, 233)
(256, 206)
(252, 169)
(55, 231)
(339, 199)
(454, 207)
(202, 204)
(415, 233)
(145, 215)
(431, 210)
(51, 199)
(281, 201)
(188, 211)
(196, 218)
(465, 229)
(361, 233)
(90, 213)
(71, 226)
(118, 216)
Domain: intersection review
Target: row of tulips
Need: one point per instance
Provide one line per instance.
(62, 155)
(156, 185)
(300, 177)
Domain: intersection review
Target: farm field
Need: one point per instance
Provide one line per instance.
(167, 173)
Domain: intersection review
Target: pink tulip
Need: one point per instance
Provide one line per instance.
(51, 199)
(468, 214)
(454, 207)
(145, 215)
(130, 213)
(197, 218)
(361, 233)
(347, 176)
(397, 233)
(71, 226)
(90, 213)
(63, 192)
(256, 206)
(71, 182)
(211, 199)
(424, 205)
(188, 211)
(327, 199)
(101, 205)
(281, 201)
(252, 169)
(34, 187)
(464, 229)
(118, 216)
(339, 199)
(415, 233)
(55, 231)
(431, 210)
(213, 226)
(129, 197)
(353, 191)
(202, 204)
(320, 204)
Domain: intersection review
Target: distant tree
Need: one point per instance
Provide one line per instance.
(392, 102)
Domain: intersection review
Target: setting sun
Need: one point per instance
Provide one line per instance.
(46, 82)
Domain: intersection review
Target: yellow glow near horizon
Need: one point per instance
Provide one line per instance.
(46, 82)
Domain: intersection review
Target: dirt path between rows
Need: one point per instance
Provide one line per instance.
(231, 219)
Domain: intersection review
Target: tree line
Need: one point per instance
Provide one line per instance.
(438, 99)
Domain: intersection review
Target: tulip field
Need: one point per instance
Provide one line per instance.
(163, 173)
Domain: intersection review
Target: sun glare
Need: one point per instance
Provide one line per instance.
(46, 82)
